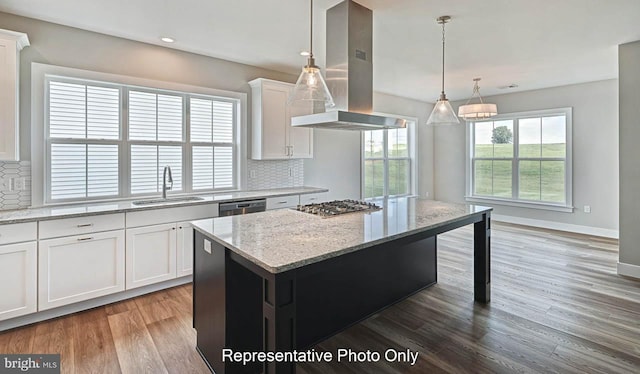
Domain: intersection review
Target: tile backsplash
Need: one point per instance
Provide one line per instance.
(20, 172)
(275, 174)
(260, 175)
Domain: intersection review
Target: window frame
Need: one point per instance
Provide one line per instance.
(567, 206)
(42, 74)
(411, 126)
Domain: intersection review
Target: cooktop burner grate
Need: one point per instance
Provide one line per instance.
(337, 207)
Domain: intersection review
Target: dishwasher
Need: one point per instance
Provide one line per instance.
(242, 207)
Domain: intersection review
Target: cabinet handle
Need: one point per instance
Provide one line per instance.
(83, 239)
(282, 202)
(85, 225)
(173, 228)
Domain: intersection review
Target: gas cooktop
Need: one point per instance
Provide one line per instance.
(337, 207)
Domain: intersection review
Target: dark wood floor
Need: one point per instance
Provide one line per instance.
(557, 306)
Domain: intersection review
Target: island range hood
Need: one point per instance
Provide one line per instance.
(349, 74)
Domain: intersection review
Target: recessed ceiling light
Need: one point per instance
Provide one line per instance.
(167, 39)
(304, 53)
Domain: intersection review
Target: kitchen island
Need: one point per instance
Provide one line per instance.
(285, 280)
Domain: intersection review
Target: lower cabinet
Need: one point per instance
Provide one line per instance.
(185, 249)
(82, 267)
(151, 254)
(18, 274)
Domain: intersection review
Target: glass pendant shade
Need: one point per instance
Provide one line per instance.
(443, 114)
(311, 89)
(472, 112)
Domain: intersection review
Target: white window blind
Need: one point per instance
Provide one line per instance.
(155, 118)
(84, 130)
(89, 158)
(212, 128)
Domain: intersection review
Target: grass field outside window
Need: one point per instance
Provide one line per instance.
(523, 158)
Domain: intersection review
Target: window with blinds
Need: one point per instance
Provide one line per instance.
(212, 143)
(111, 141)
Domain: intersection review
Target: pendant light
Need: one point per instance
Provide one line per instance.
(443, 113)
(472, 112)
(311, 90)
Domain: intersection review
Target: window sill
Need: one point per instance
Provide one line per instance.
(521, 204)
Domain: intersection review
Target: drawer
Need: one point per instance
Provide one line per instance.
(283, 202)
(81, 225)
(170, 215)
(18, 232)
(313, 198)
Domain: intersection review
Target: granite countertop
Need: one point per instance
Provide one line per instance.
(84, 209)
(285, 239)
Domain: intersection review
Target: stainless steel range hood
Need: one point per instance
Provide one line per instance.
(349, 73)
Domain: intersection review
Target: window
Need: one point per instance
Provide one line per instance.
(387, 163)
(107, 140)
(523, 158)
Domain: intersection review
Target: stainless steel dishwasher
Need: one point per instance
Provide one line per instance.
(242, 207)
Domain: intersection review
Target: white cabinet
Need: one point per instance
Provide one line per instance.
(184, 263)
(82, 267)
(18, 274)
(11, 43)
(283, 202)
(273, 137)
(313, 198)
(151, 254)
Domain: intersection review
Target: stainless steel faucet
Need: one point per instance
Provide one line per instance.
(167, 169)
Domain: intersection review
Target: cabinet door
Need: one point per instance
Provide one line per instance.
(77, 268)
(300, 139)
(151, 254)
(275, 120)
(18, 266)
(185, 249)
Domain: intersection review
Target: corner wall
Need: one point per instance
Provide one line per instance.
(629, 90)
(595, 156)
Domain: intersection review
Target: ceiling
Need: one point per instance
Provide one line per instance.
(534, 44)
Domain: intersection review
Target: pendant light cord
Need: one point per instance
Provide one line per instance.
(311, 31)
(443, 23)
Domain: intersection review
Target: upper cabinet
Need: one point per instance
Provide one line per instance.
(273, 137)
(11, 43)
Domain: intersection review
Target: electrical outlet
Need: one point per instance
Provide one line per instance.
(587, 208)
(6, 185)
(19, 184)
(426, 194)
(252, 174)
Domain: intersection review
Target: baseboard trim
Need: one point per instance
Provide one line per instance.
(579, 229)
(88, 304)
(629, 270)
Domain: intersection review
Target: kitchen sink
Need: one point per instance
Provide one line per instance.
(167, 200)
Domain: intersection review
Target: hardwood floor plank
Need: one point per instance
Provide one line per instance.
(176, 346)
(94, 348)
(135, 348)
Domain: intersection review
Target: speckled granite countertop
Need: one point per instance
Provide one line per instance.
(84, 209)
(284, 239)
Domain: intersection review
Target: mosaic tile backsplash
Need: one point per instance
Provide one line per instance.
(16, 199)
(275, 174)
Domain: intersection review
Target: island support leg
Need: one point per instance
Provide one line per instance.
(279, 311)
(482, 259)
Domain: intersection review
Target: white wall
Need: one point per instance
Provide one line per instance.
(595, 152)
(337, 154)
(629, 55)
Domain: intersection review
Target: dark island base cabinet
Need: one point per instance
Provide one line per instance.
(240, 306)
